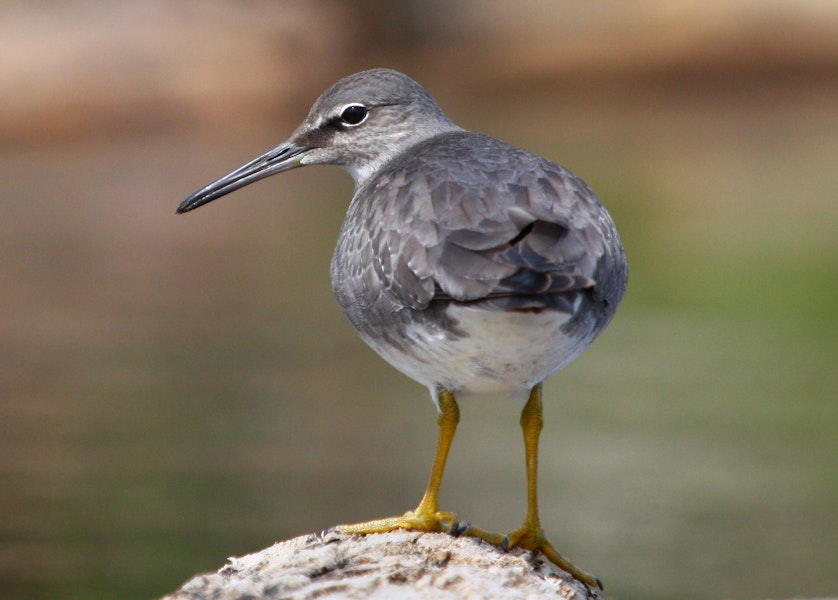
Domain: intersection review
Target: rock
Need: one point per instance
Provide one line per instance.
(395, 565)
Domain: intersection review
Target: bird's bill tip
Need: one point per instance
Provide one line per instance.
(284, 157)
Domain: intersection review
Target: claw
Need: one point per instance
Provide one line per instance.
(599, 584)
(457, 529)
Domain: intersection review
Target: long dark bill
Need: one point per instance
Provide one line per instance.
(282, 158)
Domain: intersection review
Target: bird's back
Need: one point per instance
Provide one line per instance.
(466, 218)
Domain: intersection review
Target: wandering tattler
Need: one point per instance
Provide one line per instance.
(469, 265)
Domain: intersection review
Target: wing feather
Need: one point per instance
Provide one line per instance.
(513, 233)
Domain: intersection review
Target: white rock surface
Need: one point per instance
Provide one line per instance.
(397, 565)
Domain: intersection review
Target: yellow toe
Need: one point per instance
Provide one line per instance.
(412, 520)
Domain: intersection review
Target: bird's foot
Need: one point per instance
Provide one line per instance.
(531, 537)
(416, 520)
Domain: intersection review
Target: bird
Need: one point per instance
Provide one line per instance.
(468, 264)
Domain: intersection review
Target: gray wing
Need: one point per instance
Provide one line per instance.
(519, 232)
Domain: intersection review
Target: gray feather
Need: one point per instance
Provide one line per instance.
(519, 232)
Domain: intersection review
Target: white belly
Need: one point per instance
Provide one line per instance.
(504, 352)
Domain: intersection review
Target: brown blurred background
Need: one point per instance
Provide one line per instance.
(176, 390)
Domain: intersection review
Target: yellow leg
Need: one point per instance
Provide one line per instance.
(531, 535)
(427, 516)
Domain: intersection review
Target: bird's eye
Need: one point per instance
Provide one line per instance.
(354, 114)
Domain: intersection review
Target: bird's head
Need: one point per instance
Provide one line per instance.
(360, 123)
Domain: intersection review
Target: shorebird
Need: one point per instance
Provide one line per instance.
(468, 264)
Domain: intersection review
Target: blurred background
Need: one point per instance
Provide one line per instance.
(175, 390)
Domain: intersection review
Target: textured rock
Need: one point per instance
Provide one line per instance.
(397, 565)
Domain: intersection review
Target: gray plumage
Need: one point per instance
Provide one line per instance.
(447, 229)
(469, 265)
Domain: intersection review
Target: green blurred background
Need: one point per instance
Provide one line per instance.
(176, 390)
